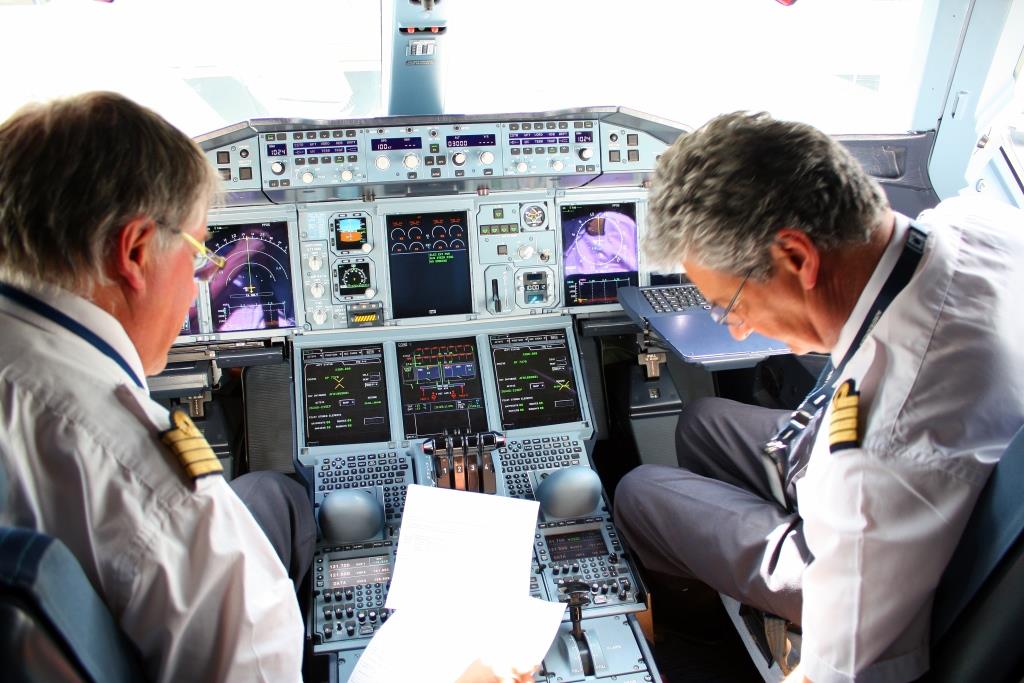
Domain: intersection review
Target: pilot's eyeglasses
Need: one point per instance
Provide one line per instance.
(725, 316)
(205, 263)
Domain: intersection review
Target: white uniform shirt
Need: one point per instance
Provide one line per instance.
(941, 382)
(183, 566)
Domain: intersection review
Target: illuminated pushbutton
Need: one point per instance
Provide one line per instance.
(317, 289)
(382, 163)
(486, 157)
(586, 154)
(411, 161)
(315, 262)
(278, 167)
(459, 158)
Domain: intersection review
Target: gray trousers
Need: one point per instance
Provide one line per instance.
(283, 510)
(714, 518)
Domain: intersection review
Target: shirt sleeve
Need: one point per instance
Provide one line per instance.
(218, 605)
(882, 530)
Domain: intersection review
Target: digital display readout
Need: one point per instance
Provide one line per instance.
(345, 391)
(358, 571)
(484, 140)
(576, 545)
(324, 147)
(277, 150)
(584, 136)
(385, 144)
(554, 137)
(536, 382)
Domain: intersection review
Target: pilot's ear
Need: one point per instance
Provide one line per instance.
(134, 252)
(795, 253)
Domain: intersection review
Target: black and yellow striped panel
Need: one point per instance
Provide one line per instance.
(190, 447)
(843, 429)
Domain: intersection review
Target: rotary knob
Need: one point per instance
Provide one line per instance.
(526, 251)
(586, 154)
(411, 161)
(486, 158)
(317, 289)
(319, 316)
(370, 292)
(347, 176)
(522, 167)
(308, 177)
(459, 158)
(557, 165)
(382, 163)
(315, 262)
(277, 167)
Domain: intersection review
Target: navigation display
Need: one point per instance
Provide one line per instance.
(441, 387)
(536, 382)
(599, 250)
(254, 289)
(429, 264)
(346, 395)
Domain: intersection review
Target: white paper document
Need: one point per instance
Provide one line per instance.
(461, 591)
(465, 547)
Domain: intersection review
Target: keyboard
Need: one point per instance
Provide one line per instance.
(675, 298)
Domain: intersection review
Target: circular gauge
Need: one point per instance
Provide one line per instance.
(439, 232)
(415, 233)
(253, 291)
(397, 235)
(456, 231)
(439, 245)
(416, 246)
(353, 278)
(398, 248)
(534, 216)
(457, 244)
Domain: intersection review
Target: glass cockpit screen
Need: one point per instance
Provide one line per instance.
(429, 264)
(599, 250)
(254, 289)
(536, 382)
(441, 387)
(346, 395)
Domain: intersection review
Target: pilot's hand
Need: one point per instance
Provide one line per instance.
(478, 672)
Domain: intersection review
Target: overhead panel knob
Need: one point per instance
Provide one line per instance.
(487, 158)
(278, 167)
(382, 163)
(411, 161)
(586, 154)
(459, 158)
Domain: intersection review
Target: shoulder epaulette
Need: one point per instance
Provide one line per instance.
(190, 446)
(843, 431)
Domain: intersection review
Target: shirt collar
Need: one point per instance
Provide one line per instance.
(102, 324)
(872, 289)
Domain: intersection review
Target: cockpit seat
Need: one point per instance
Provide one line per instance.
(53, 626)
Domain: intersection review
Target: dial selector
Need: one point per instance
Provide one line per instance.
(557, 165)
(308, 177)
(459, 158)
(586, 154)
(319, 316)
(411, 161)
(316, 262)
(382, 163)
(486, 158)
(317, 289)
(347, 175)
(522, 167)
(278, 167)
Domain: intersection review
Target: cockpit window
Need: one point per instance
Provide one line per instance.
(847, 66)
(201, 64)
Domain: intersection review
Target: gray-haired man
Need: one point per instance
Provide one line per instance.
(844, 526)
(102, 222)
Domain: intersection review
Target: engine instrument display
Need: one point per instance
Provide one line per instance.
(536, 382)
(429, 264)
(254, 289)
(441, 388)
(599, 250)
(346, 395)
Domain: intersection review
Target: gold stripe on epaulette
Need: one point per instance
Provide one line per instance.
(190, 447)
(843, 425)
